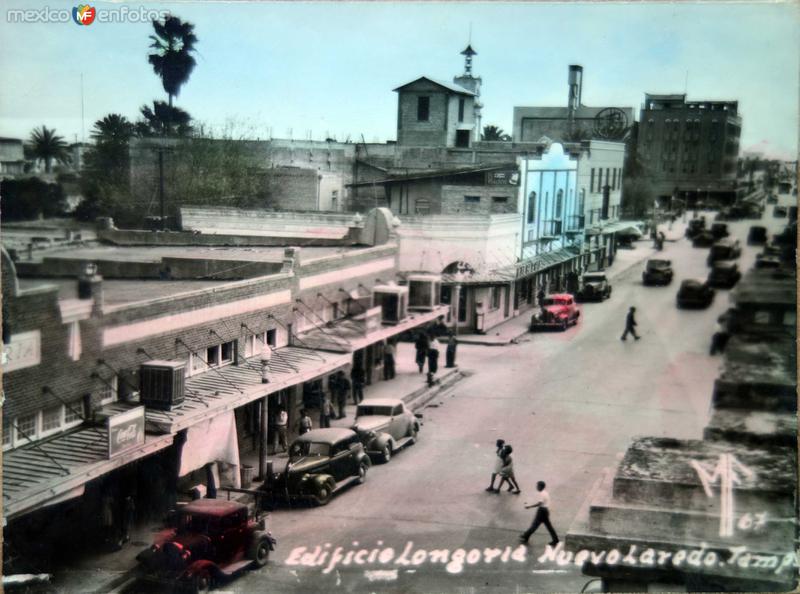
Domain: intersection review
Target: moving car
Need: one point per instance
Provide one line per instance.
(694, 293)
(594, 287)
(719, 230)
(558, 312)
(695, 226)
(703, 239)
(724, 249)
(657, 272)
(757, 235)
(724, 274)
(384, 426)
(321, 463)
(207, 540)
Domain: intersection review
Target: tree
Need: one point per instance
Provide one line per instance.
(29, 198)
(163, 120)
(113, 129)
(45, 145)
(492, 132)
(172, 59)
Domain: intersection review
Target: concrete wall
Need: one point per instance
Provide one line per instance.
(433, 132)
(453, 199)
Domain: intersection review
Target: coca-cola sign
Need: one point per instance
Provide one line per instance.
(125, 431)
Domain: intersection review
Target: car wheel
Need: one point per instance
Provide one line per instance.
(261, 555)
(323, 495)
(362, 473)
(201, 584)
(386, 453)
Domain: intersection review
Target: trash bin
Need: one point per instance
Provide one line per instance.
(247, 475)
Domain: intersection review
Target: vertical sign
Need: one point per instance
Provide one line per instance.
(125, 431)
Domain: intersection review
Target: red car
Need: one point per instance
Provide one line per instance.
(208, 540)
(558, 312)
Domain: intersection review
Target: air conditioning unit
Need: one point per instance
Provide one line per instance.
(393, 301)
(161, 384)
(424, 291)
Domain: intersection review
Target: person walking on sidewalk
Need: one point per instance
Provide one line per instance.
(388, 360)
(542, 516)
(421, 345)
(325, 413)
(359, 378)
(304, 425)
(498, 465)
(281, 426)
(433, 360)
(507, 472)
(630, 325)
(450, 353)
(342, 386)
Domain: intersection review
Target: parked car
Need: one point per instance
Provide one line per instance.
(385, 426)
(724, 274)
(207, 540)
(767, 261)
(694, 293)
(779, 212)
(757, 235)
(695, 226)
(703, 239)
(594, 287)
(719, 230)
(657, 272)
(321, 463)
(558, 312)
(724, 249)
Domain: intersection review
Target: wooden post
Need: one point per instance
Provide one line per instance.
(262, 442)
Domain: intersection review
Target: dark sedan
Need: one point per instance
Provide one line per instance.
(724, 275)
(724, 249)
(757, 235)
(719, 230)
(703, 239)
(657, 272)
(694, 294)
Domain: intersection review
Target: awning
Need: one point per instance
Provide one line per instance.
(209, 441)
(225, 388)
(347, 335)
(628, 227)
(55, 470)
(541, 262)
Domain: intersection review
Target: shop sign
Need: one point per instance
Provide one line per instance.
(528, 267)
(503, 178)
(125, 431)
(24, 350)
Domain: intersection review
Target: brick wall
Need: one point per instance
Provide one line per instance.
(422, 133)
(453, 199)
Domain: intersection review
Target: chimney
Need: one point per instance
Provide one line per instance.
(575, 83)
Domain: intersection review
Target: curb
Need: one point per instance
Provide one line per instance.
(419, 398)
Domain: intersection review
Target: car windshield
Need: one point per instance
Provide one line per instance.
(556, 301)
(301, 449)
(368, 411)
(201, 523)
(594, 278)
(657, 264)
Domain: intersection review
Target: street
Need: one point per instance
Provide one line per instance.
(567, 402)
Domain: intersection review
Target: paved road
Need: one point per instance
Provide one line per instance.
(569, 403)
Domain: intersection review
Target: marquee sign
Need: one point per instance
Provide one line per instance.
(125, 431)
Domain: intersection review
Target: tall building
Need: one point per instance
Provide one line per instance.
(690, 148)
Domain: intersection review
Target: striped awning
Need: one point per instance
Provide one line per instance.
(225, 388)
(56, 469)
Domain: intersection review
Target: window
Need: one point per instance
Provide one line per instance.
(108, 393)
(227, 352)
(532, 206)
(608, 176)
(472, 199)
(591, 181)
(26, 428)
(272, 335)
(499, 199)
(72, 414)
(461, 109)
(422, 206)
(212, 355)
(581, 202)
(614, 180)
(6, 433)
(494, 297)
(51, 419)
(559, 203)
(423, 108)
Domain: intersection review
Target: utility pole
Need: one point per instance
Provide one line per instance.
(161, 186)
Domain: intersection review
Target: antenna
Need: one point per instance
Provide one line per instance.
(469, 39)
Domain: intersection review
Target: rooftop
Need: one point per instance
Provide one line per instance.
(442, 83)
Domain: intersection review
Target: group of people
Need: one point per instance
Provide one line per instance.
(504, 468)
(427, 350)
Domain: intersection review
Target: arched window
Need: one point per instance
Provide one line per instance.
(531, 206)
(559, 203)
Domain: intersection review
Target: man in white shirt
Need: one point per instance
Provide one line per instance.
(542, 516)
(281, 424)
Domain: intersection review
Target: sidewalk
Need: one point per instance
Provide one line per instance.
(625, 259)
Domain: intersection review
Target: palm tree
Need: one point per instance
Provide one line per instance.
(172, 60)
(494, 133)
(160, 120)
(46, 145)
(113, 129)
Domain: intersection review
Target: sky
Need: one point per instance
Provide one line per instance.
(323, 69)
